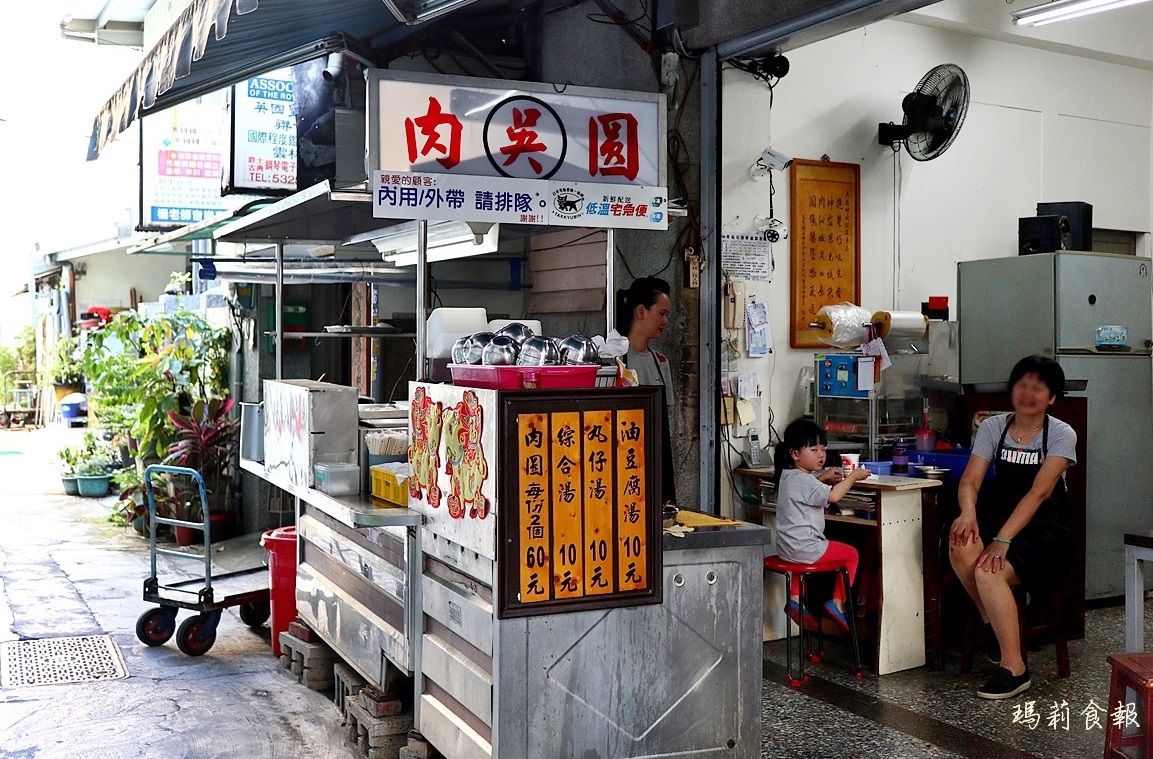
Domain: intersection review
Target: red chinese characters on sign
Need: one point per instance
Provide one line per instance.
(613, 146)
(524, 138)
(437, 128)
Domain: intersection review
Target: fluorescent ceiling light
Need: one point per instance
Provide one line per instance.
(1063, 10)
(446, 240)
(413, 12)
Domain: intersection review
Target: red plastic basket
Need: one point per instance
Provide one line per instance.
(523, 377)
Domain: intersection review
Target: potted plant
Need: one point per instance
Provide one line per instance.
(131, 508)
(205, 440)
(65, 372)
(97, 461)
(70, 459)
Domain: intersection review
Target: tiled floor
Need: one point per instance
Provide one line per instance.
(925, 713)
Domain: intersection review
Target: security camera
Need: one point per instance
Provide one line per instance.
(769, 160)
(774, 230)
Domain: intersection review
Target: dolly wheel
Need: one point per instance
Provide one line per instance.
(255, 614)
(155, 626)
(192, 639)
(860, 675)
(815, 658)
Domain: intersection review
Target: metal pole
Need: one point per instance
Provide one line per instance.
(710, 375)
(421, 298)
(280, 310)
(610, 280)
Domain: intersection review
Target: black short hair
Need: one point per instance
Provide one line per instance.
(1047, 370)
(801, 433)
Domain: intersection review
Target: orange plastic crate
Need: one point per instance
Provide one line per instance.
(386, 487)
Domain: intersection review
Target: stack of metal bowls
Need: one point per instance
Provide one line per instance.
(476, 345)
(460, 350)
(579, 349)
(517, 331)
(502, 350)
(539, 351)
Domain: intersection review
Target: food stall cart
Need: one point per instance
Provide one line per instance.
(589, 632)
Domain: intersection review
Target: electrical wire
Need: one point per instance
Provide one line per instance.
(898, 178)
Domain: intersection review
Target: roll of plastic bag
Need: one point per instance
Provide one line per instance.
(900, 326)
(841, 325)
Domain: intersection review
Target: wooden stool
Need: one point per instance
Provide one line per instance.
(1045, 621)
(804, 651)
(1130, 671)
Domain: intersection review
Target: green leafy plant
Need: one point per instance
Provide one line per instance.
(140, 369)
(205, 440)
(96, 457)
(65, 368)
(70, 458)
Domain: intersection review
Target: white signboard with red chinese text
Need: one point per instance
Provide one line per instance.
(466, 149)
(439, 197)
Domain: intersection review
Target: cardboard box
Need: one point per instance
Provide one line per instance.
(306, 423)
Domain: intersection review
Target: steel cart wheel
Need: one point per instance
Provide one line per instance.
(155, 626)
(195, 636)
(256, 613)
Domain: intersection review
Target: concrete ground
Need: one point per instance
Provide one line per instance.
(65, 571)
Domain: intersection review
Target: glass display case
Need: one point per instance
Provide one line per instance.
(855, 405)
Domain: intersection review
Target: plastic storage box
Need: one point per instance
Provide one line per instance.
(524, 377)
(337, 478)
(386, 487)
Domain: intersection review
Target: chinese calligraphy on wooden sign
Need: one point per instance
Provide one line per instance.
(826, 242)
(580, 531)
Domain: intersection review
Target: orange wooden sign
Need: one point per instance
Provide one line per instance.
(826, 243)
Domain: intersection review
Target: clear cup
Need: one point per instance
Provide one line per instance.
(926, 441)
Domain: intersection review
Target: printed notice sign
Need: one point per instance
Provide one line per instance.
(747, 257)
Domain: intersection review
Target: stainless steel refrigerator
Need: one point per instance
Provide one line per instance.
(1054, 304)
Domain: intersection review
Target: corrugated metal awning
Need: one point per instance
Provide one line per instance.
(216, 43)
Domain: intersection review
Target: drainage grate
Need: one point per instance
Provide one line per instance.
(51, 661)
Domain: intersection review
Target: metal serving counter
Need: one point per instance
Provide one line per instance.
(586, 633)
(357, 574)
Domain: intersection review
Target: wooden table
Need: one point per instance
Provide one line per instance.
(1138, 550)
(898, 557)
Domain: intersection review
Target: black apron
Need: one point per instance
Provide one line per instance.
(1040, 553)
(668, 482)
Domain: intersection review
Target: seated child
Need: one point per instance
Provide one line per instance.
(801, 501)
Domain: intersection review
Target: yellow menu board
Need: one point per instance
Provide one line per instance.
(826, 243)
(582, 532)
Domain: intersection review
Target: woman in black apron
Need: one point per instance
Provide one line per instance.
(1014, 529)
(642, 315)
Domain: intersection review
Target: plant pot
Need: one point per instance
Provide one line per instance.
(140, 523)
(220, 526)
(71, 487)
(93, 486)
(63, 389)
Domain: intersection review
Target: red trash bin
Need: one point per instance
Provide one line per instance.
(281, 545)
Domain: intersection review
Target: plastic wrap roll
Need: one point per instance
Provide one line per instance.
(900, 326)
(841, 325)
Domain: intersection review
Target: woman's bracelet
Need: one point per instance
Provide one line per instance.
(1006, 541)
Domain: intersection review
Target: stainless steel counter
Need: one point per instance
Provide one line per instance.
(353, 510)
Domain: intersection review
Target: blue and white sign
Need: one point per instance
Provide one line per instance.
(264, 133)
(451, 197)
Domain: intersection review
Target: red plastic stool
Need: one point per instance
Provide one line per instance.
(804, 650)
(1135, 672)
